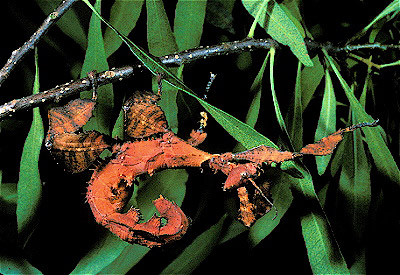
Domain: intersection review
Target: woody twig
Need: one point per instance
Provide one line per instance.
(176, 59)
(18, 54)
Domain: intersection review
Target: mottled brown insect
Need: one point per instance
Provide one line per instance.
(76, 150)
(143, 116)
(151, 147)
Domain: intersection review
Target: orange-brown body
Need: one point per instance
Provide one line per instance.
(110, 188)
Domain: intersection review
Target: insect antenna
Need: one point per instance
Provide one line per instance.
(209, 83)
(360, 125)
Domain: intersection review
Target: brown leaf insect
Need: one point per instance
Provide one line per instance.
(151, 146)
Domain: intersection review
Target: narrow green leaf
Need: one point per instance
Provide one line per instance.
(279, 26)
(361, 196)
(160, 38)
(219, 14)
(337, 159)
(29, 183)
(395, 63)
(358, 267)
(197, 251)
(232, 230)
(242, 132)
(322, 249)
(383, 159)
(169, 105)
(16, 265)
(322, 195)
(392, 7)
(292, 10)
(363, 97)
(278, 112)
(188, 24)
(8, 192)
(104, 252)
(123, 15)
(254, 110)
(127, 259)
(323, 252)
(310, 79)
(327, 121)
(118, 130)
(295, 114)
(95, 59)
(355, 194)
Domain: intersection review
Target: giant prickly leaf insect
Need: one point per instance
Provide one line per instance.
(151, 147)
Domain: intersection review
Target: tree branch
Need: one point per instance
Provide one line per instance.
(19, 53)
(332, 49)
(66, 90)
(217, 50)
(74, 87)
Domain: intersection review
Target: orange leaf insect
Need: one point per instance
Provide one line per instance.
(152, 146)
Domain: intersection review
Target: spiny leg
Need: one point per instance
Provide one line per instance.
(93, 80)
(159, 78)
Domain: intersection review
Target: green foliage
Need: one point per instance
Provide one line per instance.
(384, 160)
(278, 113)
(336, 213)
(29, 182)
(273, 18)
(326, 121)
(188, 23)
(17, 266)
(295, 117)
(199, 249)
(120, 11)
